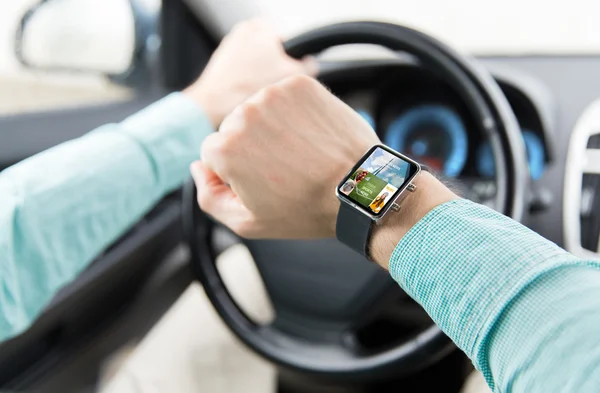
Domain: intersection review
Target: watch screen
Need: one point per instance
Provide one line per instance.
(378, 179)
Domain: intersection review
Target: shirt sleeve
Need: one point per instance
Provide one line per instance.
(524, 310)
(61, 208)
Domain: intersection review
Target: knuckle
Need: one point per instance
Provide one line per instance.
(250, 113)
(207, 149)
(215, 146)
(300, 83)
(270, 94)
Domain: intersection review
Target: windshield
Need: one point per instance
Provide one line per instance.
(507, 27)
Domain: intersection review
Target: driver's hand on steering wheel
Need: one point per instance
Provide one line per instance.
(249, 58)
(272, 170)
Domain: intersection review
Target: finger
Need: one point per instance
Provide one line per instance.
(205, 178)
(212, 155)
(234, 121)
(218, 199)
(310, 65)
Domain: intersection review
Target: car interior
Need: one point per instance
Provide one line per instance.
(517, 132)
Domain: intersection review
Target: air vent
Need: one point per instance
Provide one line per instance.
(582, 186)
(594, 142)
(590, 212)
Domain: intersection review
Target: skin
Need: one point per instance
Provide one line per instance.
(272, 169)
(249, 58)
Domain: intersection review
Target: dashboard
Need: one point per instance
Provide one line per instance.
(415, 112)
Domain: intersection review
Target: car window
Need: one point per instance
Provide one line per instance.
(65, 53)
(507, 27)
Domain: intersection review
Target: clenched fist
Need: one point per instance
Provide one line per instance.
(272, 169)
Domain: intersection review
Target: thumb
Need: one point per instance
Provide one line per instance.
(218, 199)
(310, 65)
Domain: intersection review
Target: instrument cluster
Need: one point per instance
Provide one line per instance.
(436, 135)
(428, 123)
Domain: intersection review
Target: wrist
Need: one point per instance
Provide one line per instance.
(340, 168)
(388, 232)
(206, 99)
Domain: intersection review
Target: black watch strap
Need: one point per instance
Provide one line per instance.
(354, 229)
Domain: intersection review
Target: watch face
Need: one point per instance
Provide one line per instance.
(377, 180)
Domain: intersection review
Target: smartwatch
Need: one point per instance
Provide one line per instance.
(372, 187)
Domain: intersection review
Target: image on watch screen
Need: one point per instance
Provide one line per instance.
(377, 180)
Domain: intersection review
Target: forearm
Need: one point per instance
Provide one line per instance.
(465, 264)
(547, 339)
(63, 207)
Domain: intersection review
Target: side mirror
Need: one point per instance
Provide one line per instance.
(109, 37)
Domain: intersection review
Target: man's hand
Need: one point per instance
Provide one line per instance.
(249, 58)
(272, 169)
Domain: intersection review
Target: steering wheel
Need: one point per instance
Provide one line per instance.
(321, 290)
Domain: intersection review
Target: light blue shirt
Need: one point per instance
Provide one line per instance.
(61, 208)
(524, 310)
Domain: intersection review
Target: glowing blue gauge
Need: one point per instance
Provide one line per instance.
(536, 154)
(536, 157)
(486, 166)
(367, 116)
(432, 134)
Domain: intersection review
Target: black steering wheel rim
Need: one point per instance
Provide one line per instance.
(493, 116)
